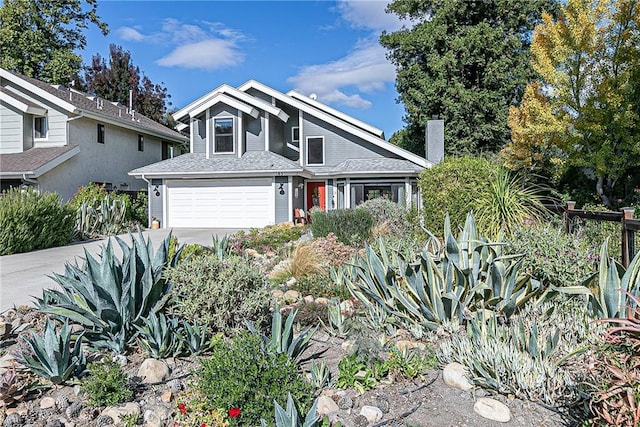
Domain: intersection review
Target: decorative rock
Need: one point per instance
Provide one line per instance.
(252, 253)
(115, 412)
(346, 306)
(309, 299)
(277, 293)
(166, 397)
(345, 403)
(120, 359)
(492, 410)
(87, 415)
(74, 409)
(454, 375)
(291, 281)
(326, 406)
(20, 411)
(322, 300)
(151, 419)
(153, 371)
(360, 421)
(174, 386)
(62, 403)
(371, 413)
(104, 420)
(55, 422)
(383, 404)
(161, 411)
(409, 345)
(347, 346)
(291, 295)
(13, 420)
(47, 403)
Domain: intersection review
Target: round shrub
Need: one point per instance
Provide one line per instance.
(220, 293)
(31, 220)
(351, 226)
(106, 384)
(387, 213)
(239, 374)
(453, 186)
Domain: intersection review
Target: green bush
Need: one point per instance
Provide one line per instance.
(454, 186)
(93, 192)
(239, 374)
(351, 226)
(596, 232)
(272, 238)
(106, 384)
(388, 214)
(553, 256)
(189, 250)
(320, 285)
(32, 220)
(219, 293)
(138, 208)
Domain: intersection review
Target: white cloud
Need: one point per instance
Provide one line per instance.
(209, 54)
(368, 14)
(364, 70)
(208, 45)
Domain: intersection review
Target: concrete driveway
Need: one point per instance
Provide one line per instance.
(23, 276)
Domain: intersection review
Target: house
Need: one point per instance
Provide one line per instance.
(59, 139)
(257, 154)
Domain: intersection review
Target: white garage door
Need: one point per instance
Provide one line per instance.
(220, 203)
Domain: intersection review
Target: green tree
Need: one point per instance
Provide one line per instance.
(40, 38)
(587, 99)
(465, 61)
(114, 79)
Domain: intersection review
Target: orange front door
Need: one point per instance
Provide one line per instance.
(316, 194)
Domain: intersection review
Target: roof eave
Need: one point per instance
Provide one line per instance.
(134, 126)
(220, 174)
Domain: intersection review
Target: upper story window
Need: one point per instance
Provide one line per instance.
(40, 127)
(315, 150)
(295, 134)
(223, 135)
(140, 142)
(100, 133)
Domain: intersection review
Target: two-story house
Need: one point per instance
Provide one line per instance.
(257, 154)
(59, 139)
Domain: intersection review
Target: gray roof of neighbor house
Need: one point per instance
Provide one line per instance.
(90, 104)
(35, 161)
(196, 164)
(379, 166)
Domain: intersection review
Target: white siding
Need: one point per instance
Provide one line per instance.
(10, 130)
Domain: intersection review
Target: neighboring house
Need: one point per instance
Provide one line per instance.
(257, 154)
(59, 139)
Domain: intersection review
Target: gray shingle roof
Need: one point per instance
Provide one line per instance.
(108, 110)
(197, 163)
(32, 159)
(363, 166)
(20, 98)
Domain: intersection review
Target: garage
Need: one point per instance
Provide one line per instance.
(227, 203)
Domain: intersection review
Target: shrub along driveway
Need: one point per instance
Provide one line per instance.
(23, 276)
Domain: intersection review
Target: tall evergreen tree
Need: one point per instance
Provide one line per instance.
(114, 79)
(465, 61)
(40, 38)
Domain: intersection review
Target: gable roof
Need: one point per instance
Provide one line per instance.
(222, 98)
(336, 121)
(35, 161)
(366, 167)
(77, 102)
(21, 103)
(202, 103)
(196, 165)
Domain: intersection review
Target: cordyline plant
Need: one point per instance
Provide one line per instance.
(616, 399)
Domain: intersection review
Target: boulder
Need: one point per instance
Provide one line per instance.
(115, 412)
(372, 413)
(153, 371)
(326, 406)
(455, 375)
(491, 409)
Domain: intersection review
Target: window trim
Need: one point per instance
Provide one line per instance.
(103, 133)
(324, 151)
(233, 134)
(46, 128)
(140, 142)
(293, 139)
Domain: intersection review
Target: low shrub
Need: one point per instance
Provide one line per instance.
(351, 226)
(189, 250)
(239, 374)
(311, 313)
(454, 186)
(321, 285)
(595, 232)
(31, 220)
(138, 208)
(272, 238)
(553, 256)
(387, 214)
(106, 384)
(219, 293)
(330, 249)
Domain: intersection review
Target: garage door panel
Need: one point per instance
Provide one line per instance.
(220, 203)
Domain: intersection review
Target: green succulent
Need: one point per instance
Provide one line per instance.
(290, 417)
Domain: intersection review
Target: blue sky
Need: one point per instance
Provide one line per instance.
(329, 48)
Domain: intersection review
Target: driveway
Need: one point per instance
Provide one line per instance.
(23, 276)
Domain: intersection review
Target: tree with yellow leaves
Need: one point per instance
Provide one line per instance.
(585, 109)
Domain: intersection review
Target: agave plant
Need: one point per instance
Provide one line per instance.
(609, 287)
(290, 416)
(159, 336)
(469, 275)
(281, 339)
(100, 218)
(195, 337)
(53, 356)
(109, 296)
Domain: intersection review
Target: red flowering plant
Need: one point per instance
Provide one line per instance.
(193, 410)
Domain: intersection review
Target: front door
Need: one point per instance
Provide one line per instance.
(316, 195)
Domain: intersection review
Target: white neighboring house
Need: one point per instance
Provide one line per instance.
(259, 156)
(58, 138)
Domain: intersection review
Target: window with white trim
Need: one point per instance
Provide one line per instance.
(40, 127)
(315, 150)
(223, 135)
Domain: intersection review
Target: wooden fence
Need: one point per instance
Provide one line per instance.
(625, 217)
